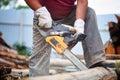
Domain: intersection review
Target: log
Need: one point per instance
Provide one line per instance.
(4, 46)
(97, 73)
(108, 56)
(3, 42)
(66, 62)
(19, 72)
(25, 72)
(12, 55)
(14, 60)
(112, 56)
(60, 62)
(118, 50)
(12, 64)
(64, 65)
(4, 70)
(6, 49)
(109, 48)
(2, 61)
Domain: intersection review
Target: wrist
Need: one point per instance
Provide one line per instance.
(79, 23)
(43, 8)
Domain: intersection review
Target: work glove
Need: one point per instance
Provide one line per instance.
(79, 27)
(44, 18)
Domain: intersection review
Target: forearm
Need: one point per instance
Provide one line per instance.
(33, 4)
(81, 9)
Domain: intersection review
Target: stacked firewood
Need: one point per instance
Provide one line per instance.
(10, 59)
(9, 56)
(13, 60)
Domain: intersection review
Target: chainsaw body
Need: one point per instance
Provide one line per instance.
(61, 39)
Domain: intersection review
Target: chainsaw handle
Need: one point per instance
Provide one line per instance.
(57, 43)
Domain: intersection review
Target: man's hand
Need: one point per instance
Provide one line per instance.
(44, 18)
(79, 26)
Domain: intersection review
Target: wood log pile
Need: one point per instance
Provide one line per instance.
(9, 56)
(10, 59)
(13, 60)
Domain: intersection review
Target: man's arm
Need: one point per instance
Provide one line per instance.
(41, 12)
(80, 16)
(81, 9)
(33, 4)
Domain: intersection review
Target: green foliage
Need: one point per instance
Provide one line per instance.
(21, 48)
(4, 2)
(22, 7)
(9, 78)
(117, 66)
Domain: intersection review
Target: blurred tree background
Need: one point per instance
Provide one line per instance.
(21, 48)
(4, 3)
(10, 4)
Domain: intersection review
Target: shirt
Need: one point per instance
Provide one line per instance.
(58, 8)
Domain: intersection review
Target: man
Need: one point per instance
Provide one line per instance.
(64, 12)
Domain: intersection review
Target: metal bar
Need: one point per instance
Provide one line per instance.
(79, 64)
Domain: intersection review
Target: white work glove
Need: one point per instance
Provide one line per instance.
(44, 18)
(79, 26)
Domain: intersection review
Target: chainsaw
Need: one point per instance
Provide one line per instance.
(60, 37)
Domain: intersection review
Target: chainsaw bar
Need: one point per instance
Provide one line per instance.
(78, 63)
